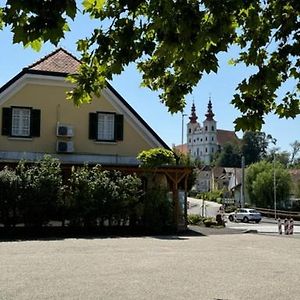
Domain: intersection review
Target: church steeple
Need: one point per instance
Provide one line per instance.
(209, 115)
(193, 118)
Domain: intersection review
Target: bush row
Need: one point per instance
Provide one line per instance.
(37, 195)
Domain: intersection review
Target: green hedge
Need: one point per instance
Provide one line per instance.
(35, 194)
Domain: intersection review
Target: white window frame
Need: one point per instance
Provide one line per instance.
(105, 126)
(20, 121)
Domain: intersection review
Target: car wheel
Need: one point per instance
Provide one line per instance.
(245, 219)
(231, 219)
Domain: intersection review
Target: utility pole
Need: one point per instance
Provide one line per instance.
(243, 183)
(274, 183)
(182, 129)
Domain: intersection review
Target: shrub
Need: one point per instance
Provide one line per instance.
(209, 221)
(194, 219)
(9, 184)
(39, 190)
(156, 157)
(158, 210)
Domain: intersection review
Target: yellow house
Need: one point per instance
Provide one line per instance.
(37, 119)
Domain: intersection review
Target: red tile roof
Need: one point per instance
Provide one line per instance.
(225, 136)
(181, 148)
(59, 61)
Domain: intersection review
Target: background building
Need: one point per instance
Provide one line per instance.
(204, 140)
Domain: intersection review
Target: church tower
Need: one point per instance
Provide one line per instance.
(202, 142)
(193, 129)
(209, 145)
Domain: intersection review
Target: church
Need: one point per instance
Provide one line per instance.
(204, 140)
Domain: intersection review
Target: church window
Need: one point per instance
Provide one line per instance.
(197, 139)
(200, 140)
(212, 138)
(197, 151)
(212, 128)
(212, 149)
(194, 140)
(205, 149)
(205, 128)
(206, 138)
(190, 140)
(190, 130)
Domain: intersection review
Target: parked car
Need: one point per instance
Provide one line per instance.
(245, 215)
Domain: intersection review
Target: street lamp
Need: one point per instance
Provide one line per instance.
(182, 127)
(273, 141)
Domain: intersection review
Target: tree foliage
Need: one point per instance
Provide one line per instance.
(230, 156)
(254, 146)
(295, 151)
(260, 184)
(174, 43)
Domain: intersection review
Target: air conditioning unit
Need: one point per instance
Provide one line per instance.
(65, 147)
(64, 130)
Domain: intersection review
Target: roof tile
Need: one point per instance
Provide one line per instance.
(59, 61)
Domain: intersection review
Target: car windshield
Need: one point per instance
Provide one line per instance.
(253, 211)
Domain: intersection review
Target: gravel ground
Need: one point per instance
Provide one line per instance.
(221, 266)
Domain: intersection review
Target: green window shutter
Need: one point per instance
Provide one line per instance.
(93, 126)
(6, 121)
(119, 127)
(35, 122)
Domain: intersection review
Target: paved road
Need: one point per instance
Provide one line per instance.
(267, 225)
(203, 208)
(231, 267)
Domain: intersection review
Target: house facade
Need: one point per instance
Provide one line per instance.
(37, 119)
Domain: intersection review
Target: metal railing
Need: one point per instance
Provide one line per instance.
(279, 213)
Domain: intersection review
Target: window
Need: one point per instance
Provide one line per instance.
(190, 130)
(205, 128)
(212, 138)
(212, 149)
(205, 149)
(206, 138)
(106, 126)
(21, 122)
(212, 128)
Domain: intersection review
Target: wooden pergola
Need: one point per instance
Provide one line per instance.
(177, 177)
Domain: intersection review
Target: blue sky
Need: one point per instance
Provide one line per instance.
(220, 87)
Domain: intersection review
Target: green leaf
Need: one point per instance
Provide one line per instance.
(93, 4)
(35, 45)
